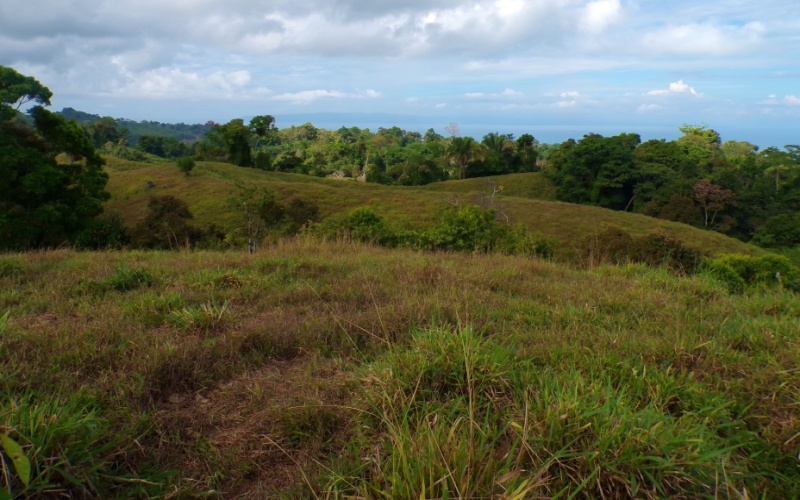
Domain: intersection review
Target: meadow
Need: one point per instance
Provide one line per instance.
(318, 368)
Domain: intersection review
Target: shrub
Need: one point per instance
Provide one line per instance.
(166, 225)
(104, 233)
(662, 249)
(726, 274)
(473, 229)
(362, 224)
(185, 164)
(766, 271)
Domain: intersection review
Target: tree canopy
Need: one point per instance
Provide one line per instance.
(51, 180)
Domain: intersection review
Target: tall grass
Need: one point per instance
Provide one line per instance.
(341, 369)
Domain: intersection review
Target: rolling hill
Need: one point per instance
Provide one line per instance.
(526, 199)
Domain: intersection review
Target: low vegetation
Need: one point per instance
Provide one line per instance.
(339, 369)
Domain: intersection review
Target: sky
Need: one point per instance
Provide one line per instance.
(552, 68)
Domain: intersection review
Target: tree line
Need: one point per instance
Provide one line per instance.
(52, 172)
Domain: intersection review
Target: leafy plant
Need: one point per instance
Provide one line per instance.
(55, 445)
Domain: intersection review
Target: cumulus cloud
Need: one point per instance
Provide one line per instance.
(598, 15)
(679, 87)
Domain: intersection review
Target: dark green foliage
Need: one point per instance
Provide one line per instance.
(781, 231)
(165, 147)
(104, 233)
(300, 213)
(166, 225)
(597, 170)
(51, 179)
(17, 90)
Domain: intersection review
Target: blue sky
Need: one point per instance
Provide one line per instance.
(553, 68)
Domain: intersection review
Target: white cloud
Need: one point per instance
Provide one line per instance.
(571, 94)
(696, 39)
(174, 82)
(679, 87)
(308, 96)
(566, 104)
(505, 93)
(792, 100)
(599, 15)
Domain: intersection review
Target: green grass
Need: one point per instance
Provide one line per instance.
(332, 369)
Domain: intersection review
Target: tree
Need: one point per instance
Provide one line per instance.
(263, 126)
(52, 184)
(527, 152)
(712, 199)
(463, 150)
(166, 225)
(16, 90)
(596, 169)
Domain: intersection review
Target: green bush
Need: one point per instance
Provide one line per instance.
(726, 274)
(473, 229)
(766, 271)
(362, 224)
(185, 164)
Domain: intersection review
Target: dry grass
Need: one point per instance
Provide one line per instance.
(243, 371)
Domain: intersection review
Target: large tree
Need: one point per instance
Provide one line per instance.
(51, 180)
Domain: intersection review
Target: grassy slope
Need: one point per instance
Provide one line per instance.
(207, 188)
(244, 374)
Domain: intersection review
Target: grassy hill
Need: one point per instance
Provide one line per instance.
(331, 369)
(526, 199)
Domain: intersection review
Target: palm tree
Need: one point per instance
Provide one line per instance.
(463, 150)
